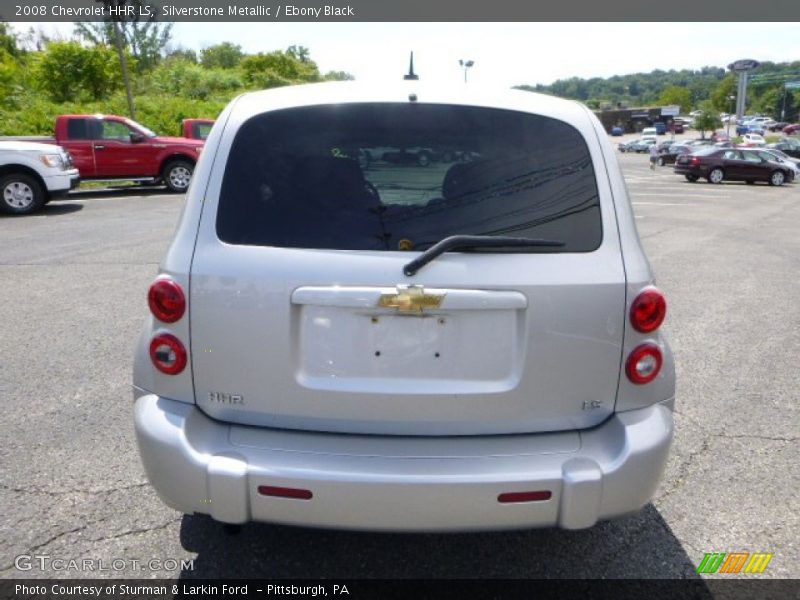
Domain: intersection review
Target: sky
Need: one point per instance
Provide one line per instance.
(505, 54)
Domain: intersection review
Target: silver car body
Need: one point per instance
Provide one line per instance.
(514, 383)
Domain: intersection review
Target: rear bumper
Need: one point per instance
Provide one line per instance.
(198, 465)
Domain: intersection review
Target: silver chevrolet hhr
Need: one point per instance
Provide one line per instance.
(405, 308)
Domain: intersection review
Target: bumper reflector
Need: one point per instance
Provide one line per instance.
(283, 492)
(511, 497)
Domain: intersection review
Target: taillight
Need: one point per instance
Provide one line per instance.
(644, 364)
(695, 160)
(168, 354)
(648, 310)
(166, 300)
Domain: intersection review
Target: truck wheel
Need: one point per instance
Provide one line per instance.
(177, 174)
(20, 194)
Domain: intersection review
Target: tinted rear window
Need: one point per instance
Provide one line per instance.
(77, 129)
(404, 176)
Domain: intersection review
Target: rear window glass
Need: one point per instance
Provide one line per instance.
(201, 130)
(706, 151)
(404, 176)
(77, 129)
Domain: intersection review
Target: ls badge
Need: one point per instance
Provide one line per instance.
(411, 299)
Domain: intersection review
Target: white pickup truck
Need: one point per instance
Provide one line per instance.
(32, 174)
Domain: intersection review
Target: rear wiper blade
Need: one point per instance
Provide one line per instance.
(473, 241)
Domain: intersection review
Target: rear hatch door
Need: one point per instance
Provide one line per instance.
(302, 316)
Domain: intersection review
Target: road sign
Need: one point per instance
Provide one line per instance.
(744, 65)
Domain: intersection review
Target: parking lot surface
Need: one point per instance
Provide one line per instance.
(71, 486)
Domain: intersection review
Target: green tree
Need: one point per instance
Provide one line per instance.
(301, 53)
(8, 41)
(221, 56)
(181, 53)
(677, 96)
(338, 76)
(721, 95)
(145, 39)
(708, 121)
(278, 68)
(68, 70)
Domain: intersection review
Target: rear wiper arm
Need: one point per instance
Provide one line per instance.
(473, 241)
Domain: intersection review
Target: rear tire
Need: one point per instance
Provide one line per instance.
(715, 175)
(749, 182)
(691, 178)
(177, 174)
(777, 178)
(20, 194)
(660, 161)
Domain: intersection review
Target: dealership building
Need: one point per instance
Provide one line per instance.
(633, 120)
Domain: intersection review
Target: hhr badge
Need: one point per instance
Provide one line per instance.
(222, 398)
(411, 299)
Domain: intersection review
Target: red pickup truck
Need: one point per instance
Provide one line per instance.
(112, 147)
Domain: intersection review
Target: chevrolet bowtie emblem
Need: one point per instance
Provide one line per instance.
(409, 299)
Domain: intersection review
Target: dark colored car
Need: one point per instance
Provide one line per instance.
(788, 146)
(661, 128)
(617, 131)
(670, 155)
(699, 142)
(639, 146)
(779, 126)
(677, 127)
(731, 164)
(792, 129)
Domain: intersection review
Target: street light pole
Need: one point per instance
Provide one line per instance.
(466, 64)
(731, 98)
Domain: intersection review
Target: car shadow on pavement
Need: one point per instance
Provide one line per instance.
(119, 192)
(49, 210)
(638, 547)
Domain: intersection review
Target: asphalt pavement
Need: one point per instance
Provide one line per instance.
(71, 486)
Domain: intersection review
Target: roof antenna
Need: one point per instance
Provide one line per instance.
(411, 75)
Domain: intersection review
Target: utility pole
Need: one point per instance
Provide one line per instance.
(113, 7)
(123, 63)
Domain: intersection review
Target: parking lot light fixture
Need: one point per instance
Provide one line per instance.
(466, 64)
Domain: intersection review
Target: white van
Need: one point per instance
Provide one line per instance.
(649, 133)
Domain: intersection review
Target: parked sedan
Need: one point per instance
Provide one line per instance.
(699, 142)
(789, 146)
(753, 139)
(670, 155)
(778, 126)
(732, 164)
(792, 129)
(639, 146)
(784, 159)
